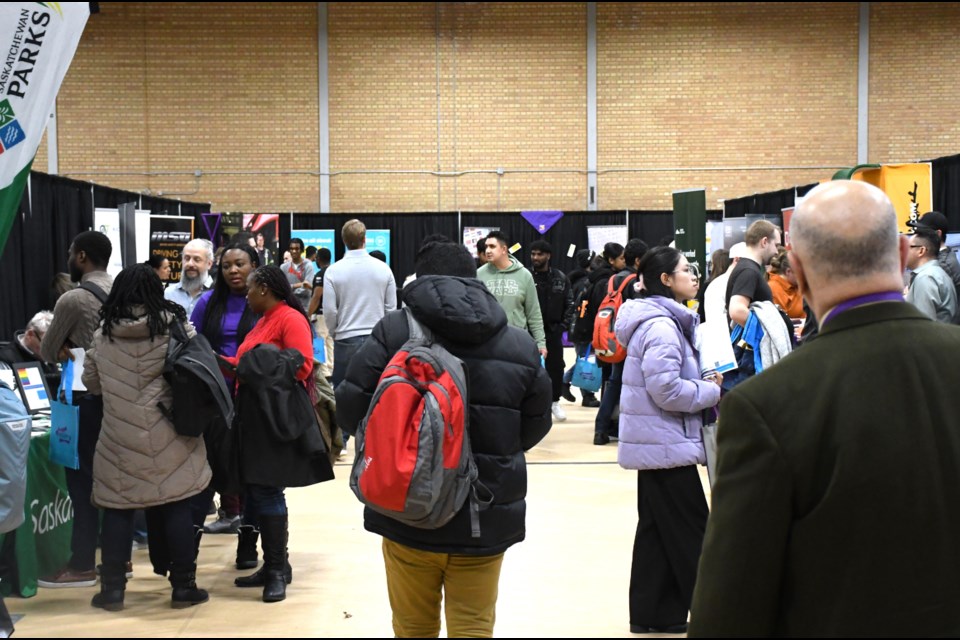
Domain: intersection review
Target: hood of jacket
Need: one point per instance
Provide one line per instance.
(603, 273)
(135, 328)
(460, 310)
(512, 267)
(634, 313)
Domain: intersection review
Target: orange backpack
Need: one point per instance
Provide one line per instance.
(604, 338)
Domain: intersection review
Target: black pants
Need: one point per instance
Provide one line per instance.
(666, 550)
(554, 362)
(168, 525)
(86, 517)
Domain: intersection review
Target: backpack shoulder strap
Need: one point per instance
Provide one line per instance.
(97, 292)
(417, 330)
(623, 285)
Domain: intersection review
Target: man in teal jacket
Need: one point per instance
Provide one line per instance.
(513, 287)
(835, 509)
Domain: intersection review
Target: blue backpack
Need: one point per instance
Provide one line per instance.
(15, 426)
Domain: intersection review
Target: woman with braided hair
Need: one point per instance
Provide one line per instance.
(140, 461)
(279, 445)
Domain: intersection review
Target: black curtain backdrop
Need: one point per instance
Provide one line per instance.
(771, 202)
(407, 230)
(56, 210)
(946, 189)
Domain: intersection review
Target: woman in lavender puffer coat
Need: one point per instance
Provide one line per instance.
(660, 419)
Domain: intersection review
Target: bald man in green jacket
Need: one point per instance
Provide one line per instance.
(836, 508)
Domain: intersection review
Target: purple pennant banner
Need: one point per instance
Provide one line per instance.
(215, 218)
(542, 220)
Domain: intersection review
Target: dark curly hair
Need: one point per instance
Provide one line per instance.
(217, 304)
(138, 285)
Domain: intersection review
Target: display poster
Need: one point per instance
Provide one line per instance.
(265, 228)
(909, 187)
(599, 236)
(472, 235)
(107, 222)
(168, 236)
(319, 238)
(379, 240)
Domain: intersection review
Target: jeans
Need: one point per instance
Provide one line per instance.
(343, 352)
(609, 401)
(86, 517)
(262, 500)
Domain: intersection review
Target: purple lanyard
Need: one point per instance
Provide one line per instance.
(870, 298)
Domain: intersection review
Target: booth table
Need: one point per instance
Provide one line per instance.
(41, 545)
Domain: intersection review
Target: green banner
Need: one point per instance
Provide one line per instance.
(42, 542)
(690, 226)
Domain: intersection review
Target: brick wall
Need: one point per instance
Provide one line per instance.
(473, 87)
(914, 81)
(510, 93)
(731, 84)
(176, 87)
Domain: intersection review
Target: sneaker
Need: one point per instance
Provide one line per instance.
(68, 578)
(566, 394)
(557, 412)
(226, 524)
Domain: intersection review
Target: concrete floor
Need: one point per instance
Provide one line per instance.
(568, 579)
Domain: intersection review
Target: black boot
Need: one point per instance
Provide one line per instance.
(273, 534)
(247, 536)
(185, 591)
(589, 400)
(566, 394)
(113, 582)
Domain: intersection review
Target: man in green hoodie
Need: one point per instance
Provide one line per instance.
(513, 287)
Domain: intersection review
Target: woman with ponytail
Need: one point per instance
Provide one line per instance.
(140, 461)
(268, 463)
(660, 421)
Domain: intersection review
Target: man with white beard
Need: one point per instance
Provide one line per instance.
(194, 275)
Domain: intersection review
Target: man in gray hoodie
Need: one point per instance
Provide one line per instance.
(513, 287)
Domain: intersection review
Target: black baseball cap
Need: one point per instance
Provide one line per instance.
(932, 220)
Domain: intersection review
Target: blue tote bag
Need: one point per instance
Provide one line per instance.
(587, 375)
(65, 423)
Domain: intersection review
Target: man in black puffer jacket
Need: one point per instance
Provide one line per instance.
(509, 395)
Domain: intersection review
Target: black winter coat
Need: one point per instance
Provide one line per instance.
(583, 329)
(556, 298)
(509, 396)
(280, 441)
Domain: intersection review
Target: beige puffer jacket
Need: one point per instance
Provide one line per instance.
(140, 461)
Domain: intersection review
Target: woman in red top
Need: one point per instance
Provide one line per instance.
(268, 464)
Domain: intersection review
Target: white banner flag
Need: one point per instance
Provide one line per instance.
(37, 43)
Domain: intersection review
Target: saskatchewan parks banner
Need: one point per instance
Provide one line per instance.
(37, 43)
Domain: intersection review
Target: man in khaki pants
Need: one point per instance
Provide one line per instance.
(316, 311)
(509, 396)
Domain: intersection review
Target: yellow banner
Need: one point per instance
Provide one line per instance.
(909, 187)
